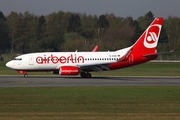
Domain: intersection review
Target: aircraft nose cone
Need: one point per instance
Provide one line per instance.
(8, 64)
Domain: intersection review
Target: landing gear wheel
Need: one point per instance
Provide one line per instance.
(88, 75)
(85, 75)
(25, 75)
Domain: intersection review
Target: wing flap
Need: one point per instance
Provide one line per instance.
(95, 67)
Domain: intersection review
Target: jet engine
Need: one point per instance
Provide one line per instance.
(69, 70)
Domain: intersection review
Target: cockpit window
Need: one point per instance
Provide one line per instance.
(18, 59)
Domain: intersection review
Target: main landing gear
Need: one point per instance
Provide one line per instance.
(85, 75)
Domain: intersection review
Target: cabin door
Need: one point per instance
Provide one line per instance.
(31, 62)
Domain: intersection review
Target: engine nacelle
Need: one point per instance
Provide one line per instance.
(69, 70)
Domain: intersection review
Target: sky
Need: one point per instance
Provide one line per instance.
(121, 8)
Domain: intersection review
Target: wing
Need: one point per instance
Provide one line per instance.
(103, 66)
(95, 67)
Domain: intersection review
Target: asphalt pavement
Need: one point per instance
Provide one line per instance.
(20, 81)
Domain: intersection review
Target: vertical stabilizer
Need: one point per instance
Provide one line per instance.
(147, 43)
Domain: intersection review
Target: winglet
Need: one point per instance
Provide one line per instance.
(95, 48)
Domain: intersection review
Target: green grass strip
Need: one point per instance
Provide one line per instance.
(96, 102)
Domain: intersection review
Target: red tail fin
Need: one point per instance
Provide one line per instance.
(147, 43)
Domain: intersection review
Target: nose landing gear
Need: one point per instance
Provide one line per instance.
(23, 72)
(26, 75)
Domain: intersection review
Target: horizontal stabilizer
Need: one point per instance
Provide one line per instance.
(149, 55)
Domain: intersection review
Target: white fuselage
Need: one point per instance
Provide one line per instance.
(47, 61)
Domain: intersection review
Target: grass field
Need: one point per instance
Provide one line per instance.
(96, 102)
(146, 69)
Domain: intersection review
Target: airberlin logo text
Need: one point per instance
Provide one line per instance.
(62, 59)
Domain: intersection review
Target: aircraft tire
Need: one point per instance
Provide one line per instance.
(88, 75)
(83, 75)
(25, 75)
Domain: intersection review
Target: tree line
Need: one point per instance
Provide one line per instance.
(66, 31)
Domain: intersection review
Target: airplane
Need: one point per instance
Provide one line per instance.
(75, 63)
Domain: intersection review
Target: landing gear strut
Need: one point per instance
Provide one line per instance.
(85, 75)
